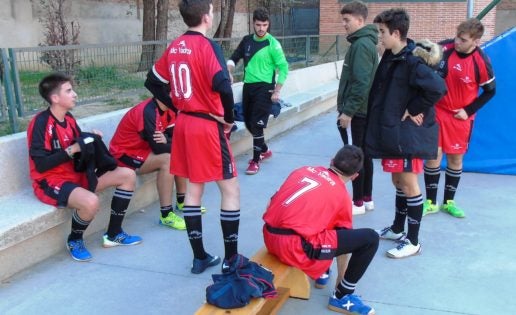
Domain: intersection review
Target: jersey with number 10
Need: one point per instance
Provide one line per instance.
(311, 200)
(191, 65)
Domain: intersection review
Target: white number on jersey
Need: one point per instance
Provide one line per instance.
(309, 185)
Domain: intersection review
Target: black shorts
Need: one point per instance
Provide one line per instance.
(257, 104)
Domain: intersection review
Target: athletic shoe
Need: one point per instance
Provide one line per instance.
(174, 221)
(358, 209)
(199, 265)
(253, 168)
(369, 205)
(349, 304)
(265, 155)
(122, 239)
(387, 234)
(180, 206)
(225, 268)
(452, 209)
(322, 281)
(78, 251)
(404, 249)
(429, 207)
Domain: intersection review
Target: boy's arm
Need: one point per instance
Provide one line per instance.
(236, 56)
(44, 159)
(488, 84)
(149, 129)
(360, 80)
(159, 89)
(278, 57)
(429, 86)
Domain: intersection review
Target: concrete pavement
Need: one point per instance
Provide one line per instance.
(466, 266)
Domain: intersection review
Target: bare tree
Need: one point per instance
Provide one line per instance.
(227, 15)
(155, 27)
(58, 31)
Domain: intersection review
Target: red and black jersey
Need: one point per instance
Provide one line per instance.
(194, 67)
(311, 200)
(464, 75)
(47, 140)
(134, 135)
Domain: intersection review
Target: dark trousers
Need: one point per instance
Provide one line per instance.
(363, 184)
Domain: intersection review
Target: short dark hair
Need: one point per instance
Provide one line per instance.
(473, 27)
(348, 160)
(192, 11)
(51, 84)
(260, 14)
(395, 19)
(355, 8)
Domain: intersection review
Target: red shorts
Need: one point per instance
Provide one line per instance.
(57, 192)
(454, 134)
(201, 151)
(289, 250)
(402, 165)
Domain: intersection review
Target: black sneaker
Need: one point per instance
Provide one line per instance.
(199, 265)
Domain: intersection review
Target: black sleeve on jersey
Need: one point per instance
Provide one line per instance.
(239, 52)
(159, 90)
(149, 127)
(222, 84)
(44, 160)
(486, 95)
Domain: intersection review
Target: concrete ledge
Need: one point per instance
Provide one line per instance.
(31, 231)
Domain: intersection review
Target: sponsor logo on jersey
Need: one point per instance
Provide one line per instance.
(458, 67)
(466, 79)
(182, 49)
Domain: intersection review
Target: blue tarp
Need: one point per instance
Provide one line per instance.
(493, 142)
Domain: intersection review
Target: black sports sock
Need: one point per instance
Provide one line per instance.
(343, 288)
(432, 176)
(78, 226)
(119, 204)
(165, 210)
(258, 142)
(193, 220)
(265, 148)
(451, 182)
(398, 225)
(415, 213)
(229, 221)
(180, 197)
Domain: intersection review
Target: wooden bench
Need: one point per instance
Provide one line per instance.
(289, 282)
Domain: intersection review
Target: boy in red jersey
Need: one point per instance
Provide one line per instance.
(308, 222)
(51, 137)
(466, 69)
(200, 89)
(142, 142)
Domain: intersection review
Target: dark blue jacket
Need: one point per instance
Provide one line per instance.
(403, 82)
(245, 280)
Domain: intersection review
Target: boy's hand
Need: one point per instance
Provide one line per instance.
(220, 119)
(344, 121)
(159, 137)
(97, 132)
(461, 114)
(418, 119)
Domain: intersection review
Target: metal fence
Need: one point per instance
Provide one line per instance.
(107, 73)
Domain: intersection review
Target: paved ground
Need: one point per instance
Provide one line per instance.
(467, 265)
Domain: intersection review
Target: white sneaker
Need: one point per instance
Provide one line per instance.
(369, 205)
(387, 234)
(404, 249)
(358, 210)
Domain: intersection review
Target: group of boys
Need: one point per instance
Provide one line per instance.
(386, 110)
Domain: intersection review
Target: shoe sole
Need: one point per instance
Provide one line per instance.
(319, 286)
(400, 257)
(171, 227)
(430, 212)
(118, 244)
(342, 311)
(251, 173)
(401, 238)
(458, 217)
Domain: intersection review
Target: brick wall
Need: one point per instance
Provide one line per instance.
(432, 20)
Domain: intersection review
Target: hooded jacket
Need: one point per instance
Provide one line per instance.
(405, 81)
(358, 70)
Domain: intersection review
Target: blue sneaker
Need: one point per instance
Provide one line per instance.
(349, 304)
(78, 250)
(122, 239)
(199, 265)
(322, 281)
